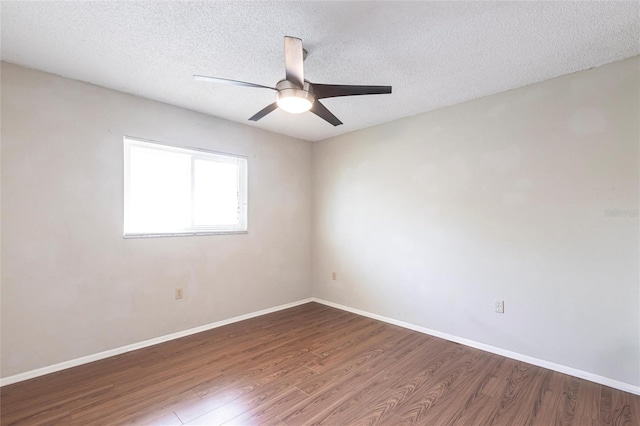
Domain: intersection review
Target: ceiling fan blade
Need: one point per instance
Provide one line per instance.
(227, 81)
(322, 112)
(323, 91)
(293, 60)
(264, 111)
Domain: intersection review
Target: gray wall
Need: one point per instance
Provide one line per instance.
(71, 285)
(428, 219)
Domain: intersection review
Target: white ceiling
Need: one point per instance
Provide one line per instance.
(433, 53)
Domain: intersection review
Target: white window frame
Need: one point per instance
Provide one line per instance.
(194, 153)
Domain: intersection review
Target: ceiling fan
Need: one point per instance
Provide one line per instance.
(297, 95)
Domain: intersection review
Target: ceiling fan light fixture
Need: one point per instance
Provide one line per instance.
(295, 101)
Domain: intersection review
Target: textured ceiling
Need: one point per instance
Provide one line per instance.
(433, 53)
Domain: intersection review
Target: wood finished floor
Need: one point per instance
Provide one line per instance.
(313, 364)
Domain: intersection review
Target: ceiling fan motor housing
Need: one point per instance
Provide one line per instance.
(294, 99)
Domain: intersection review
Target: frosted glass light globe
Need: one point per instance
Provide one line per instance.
(295, 101)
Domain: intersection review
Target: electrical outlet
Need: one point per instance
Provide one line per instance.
(334, 276)
(499, 306)
(179, 293)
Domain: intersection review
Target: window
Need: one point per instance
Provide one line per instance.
(178, 191)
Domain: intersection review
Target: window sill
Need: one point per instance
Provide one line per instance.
(183, 234)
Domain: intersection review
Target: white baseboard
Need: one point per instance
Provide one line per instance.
(128, 348)
(498, 351)
(488, 348)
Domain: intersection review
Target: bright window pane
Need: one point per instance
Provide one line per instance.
(171, 190)
(159, 191)
(215, 193)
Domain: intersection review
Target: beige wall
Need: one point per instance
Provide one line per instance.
(71, 285)
(428, 219)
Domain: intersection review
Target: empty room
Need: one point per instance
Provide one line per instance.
(338, 213)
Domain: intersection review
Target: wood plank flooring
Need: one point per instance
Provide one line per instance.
(308, 365)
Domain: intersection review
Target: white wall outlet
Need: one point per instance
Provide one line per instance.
(179, 293)
(334, 276)
(499, 305)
